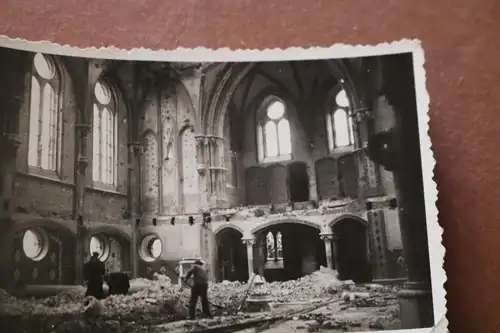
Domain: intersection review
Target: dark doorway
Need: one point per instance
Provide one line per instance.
(352, 250)
(298, 182)
(284, 258)
(231, 256)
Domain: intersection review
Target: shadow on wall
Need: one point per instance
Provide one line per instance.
(43, 257)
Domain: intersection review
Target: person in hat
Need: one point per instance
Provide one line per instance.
(199, 288)
(93, 274)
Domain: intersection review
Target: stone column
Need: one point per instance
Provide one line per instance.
(249, 243)
(416, 296)
(328, 249)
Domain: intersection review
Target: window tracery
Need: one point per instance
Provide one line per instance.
(273, 132)
(274, 246)
(339, 124)
(105, 139)
(45, 129)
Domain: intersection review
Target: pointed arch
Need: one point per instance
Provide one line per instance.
(339, 124)
(46, 114)
(107, 102)
(233, 74)
(273, 130)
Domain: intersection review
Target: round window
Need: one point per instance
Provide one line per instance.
(275, 110)
(35, 243)
(151, 248)
(341, 99)
(99, 244)
(44, 67)
(102, 93)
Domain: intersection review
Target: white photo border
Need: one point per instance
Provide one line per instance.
(200, 54)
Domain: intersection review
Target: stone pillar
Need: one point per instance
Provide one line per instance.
(328, 249)
(416, 297)
(261, 254)
(83, 128)
(133, 194)
(313, 188)
(249, 243)
(9, 145)
(14, 66)
(202, 166)
(82, 165)
(335, 252)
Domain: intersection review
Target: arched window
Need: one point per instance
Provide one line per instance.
(273, 132)
(274, 246)
(279, 245)
(45, 132)
(339, 123)
(105, 140)
(271, 253)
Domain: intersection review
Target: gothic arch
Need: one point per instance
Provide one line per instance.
(347, 217)
(228, 226)
(287, 220)
(234, 74)
(192, 110)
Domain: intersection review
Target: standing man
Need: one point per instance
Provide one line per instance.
(93, 274)
(199, 288)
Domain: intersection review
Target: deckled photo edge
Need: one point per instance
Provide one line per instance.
(434, 230)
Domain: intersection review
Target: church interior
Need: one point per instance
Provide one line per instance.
(257, 167)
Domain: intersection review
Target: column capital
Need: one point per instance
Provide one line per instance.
(83, 129)
(135, 148)
(329, 237)
(248, 241)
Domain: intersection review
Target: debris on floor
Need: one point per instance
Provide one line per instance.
(162, 302)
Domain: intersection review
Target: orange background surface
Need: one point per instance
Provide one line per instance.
(461, 41)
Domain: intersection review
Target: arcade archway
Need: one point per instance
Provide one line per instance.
(231, 256)
(351, 247)
(280, 256)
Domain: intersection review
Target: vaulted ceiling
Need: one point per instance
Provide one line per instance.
(296, 79)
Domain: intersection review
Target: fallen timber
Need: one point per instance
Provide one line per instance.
(261, 324)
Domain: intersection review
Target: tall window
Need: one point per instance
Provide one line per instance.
(273, 133)
(339, 123)
(105, 139)
(274, 246)
(45, 132)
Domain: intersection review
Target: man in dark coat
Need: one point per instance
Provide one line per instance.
(118, 283)
(93, 274)
(199, 288)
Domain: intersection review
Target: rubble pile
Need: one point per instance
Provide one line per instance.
(161, 301)
(320, 284)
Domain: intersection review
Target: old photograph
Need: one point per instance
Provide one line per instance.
(207, 191)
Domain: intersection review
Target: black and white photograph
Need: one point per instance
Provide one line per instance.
(222, 190)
